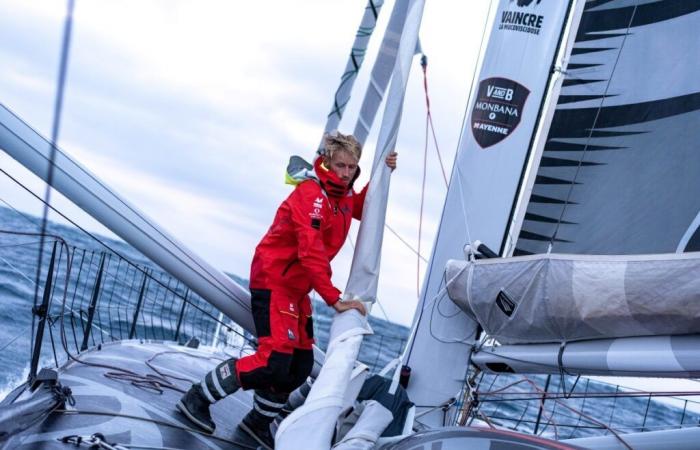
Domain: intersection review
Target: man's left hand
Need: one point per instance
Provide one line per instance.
(391, 160)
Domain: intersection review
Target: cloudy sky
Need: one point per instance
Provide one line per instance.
(191, 109)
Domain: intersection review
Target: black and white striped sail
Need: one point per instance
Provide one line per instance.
(607, 165)
(620, 168)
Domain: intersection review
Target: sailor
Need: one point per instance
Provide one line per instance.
(293, 257)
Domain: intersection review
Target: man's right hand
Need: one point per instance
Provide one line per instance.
(341, 306)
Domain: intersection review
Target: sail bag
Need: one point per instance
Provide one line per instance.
(560, 298)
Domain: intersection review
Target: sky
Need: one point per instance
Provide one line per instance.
(191, 109)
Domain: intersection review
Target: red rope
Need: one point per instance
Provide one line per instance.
(429, 130)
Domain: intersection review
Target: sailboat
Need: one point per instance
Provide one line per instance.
(570, 211)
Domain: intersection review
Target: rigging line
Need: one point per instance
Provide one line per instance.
(386, 225)
(455, 168)
(20, 334)
(20, 213)
(422, 194)
(19, 272)
(58, 106)
(591, 131)
(429, 117)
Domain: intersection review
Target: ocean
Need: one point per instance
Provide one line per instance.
(110, 291)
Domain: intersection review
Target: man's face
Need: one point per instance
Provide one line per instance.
(344, 165)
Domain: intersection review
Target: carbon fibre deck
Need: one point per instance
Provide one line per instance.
(127, 414)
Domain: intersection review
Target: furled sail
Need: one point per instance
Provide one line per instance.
(364, 272)
(506, 102)
(333, 386)
(565, 298)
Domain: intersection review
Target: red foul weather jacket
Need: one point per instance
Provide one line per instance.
(309, 229)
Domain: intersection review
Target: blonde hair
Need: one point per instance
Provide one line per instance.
(335, 141)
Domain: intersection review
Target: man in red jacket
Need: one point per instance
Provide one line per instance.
(292, 258)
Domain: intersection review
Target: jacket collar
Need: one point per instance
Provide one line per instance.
(330, 182)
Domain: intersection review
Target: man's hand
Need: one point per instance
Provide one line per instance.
(391, 160)
(341, 306)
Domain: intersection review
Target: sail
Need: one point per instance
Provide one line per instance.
(620, 171)
(381, 71)
(506, 102)
(88, 192)
(364, 272)
(565, 298)
(357, 56)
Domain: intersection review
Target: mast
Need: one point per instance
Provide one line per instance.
(339, 381)
(505, 108)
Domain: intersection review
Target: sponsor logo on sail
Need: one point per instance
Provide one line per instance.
(527, 21)
(505, 304)
(498, 109)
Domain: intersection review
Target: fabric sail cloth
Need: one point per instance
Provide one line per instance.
(560, 298)
(332, 391)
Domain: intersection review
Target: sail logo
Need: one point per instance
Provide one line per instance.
(505, 304)
(524, 22)
(497, 110)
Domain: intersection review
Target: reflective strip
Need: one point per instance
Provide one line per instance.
(265, 412)
(217, 385)
(267, 402)
(205, 389)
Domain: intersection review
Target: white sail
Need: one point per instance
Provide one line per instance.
(364, 272)
(496, 138)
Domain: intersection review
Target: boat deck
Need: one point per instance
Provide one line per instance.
(111, 401)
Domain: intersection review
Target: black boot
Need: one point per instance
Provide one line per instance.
(266, 406)
(195, 406)
(216, 385)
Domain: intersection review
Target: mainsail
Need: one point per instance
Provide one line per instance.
(506, 102)
(620, 170)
